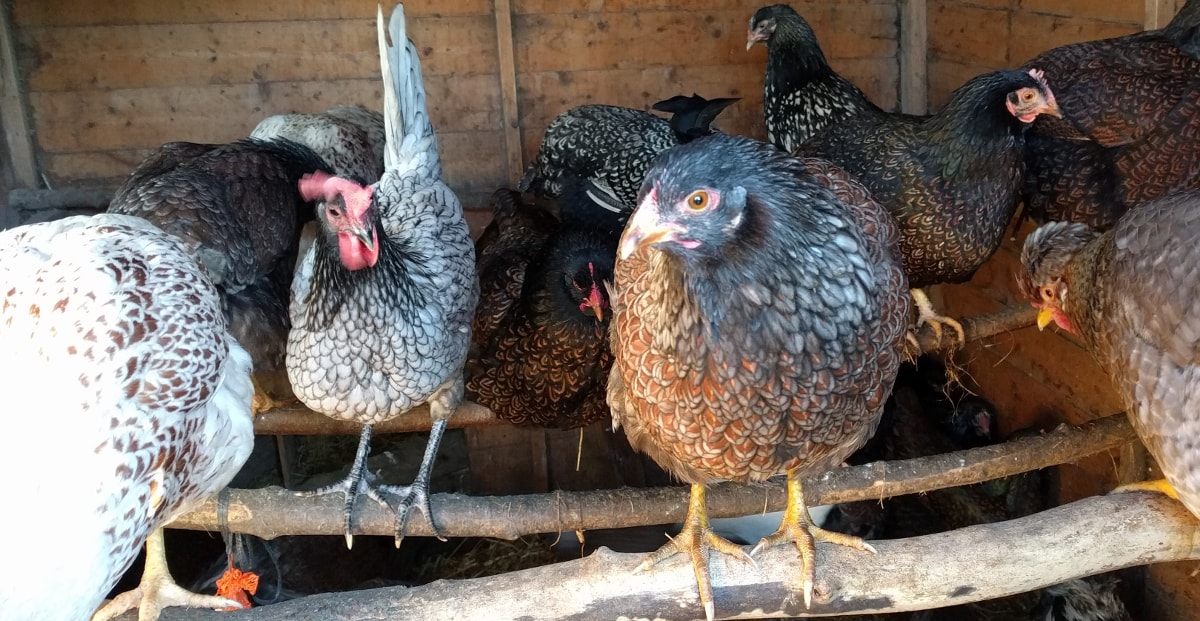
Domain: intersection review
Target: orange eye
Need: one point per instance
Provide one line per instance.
(1047, 292)
(698, 200)
(1027, 95)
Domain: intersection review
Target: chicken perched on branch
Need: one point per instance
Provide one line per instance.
(609, 148)
(237, 208)
(802, 94)
(1130, 130)
(1130, 295)
(951, 180)
(760, 311)
(540, 350)
(349, 138)
(382, 302)
(148, 400)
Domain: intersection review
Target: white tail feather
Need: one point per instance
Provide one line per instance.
(411, 142)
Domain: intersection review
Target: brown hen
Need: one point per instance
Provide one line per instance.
(1130, 129)
(759, 319)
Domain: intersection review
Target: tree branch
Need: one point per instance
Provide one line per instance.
(295, 419)
(272, 512)
(983, 326)
(1090, 536)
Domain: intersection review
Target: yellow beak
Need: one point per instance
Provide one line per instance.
(1044, 317)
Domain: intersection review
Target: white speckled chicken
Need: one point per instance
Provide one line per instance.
(383, 301)
(349, 138)
(148, 410)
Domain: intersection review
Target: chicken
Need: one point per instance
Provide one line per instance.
(759, 318)
(1135, 102)
(148, 409)
(540, 351)
(349, 138)
(802, 94)
(951, 180)
(383, 300)
(609, 149)
(237, 208)
(1094, 598)
(1130, 296)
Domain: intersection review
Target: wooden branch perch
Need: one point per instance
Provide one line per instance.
(982, 326)
(271, 512)
(298, 420)
(1090, 536)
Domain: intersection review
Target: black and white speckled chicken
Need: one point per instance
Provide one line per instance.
(1135, 102)
(540, 351)
(238, 208)
(114, 336)
(609, 148)
(383, 301)
(759, 314)
(802, 94)
(349, 138)
(951, 179)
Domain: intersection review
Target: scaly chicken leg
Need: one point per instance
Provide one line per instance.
(696, 539)
(351, 486)
(926, 315)
(157, 589)
(797, 527)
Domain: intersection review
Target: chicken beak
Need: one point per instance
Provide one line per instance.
(644, 228)
(1044, 317)
(367, 236)
(754, 36)
(595, 303)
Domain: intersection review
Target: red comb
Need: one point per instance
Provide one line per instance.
(312, 185)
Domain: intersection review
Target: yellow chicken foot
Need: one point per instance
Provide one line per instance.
(1160, 486)
(261, 402)
(797, 527)
(158, 590)
(696, 539)
(926, 315)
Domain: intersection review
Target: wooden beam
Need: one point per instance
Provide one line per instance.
(914, 56)
(508, 90)
(1158, 13)
(17, 134)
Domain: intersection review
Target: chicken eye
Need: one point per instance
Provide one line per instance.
(698, 200)
(1047, 292)
(1027, 96)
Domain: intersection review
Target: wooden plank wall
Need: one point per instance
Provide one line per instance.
(107, 81)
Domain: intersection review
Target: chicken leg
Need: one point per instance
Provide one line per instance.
(157, 589)
(797, 527)
(351, 486)
(1160, 486)
(926, 315)
(696, 539)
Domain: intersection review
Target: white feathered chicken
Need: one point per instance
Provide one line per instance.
(116, 349)
(349, 138)
(383, 301)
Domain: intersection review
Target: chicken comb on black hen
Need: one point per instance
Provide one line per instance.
(951, 179)
(238, 209)
(1130, 130)
(802, 94)
(609, 148)
(540, 351)
(759, 316)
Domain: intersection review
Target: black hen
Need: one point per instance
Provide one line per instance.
(609, 148)
(238, 209)
(802, 94)
(1136, 100)
(951, 179)
(540, 351)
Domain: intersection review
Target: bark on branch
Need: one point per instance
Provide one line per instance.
(272, 512)
(972, 564)
(295, 419)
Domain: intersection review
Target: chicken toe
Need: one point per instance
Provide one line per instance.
(353, 485)
(797, 527)
(417, 494)
(1161, 486)
(696, 539)
(158, 590)
(927, 316)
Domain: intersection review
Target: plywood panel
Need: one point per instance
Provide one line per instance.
(968, 34)
(1115, 10)
(1041, 32)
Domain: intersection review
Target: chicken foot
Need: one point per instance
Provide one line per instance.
(415, 495)
(797, 527)
(926, 315)
(158, 589)
(357, 479)
(696, 539)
